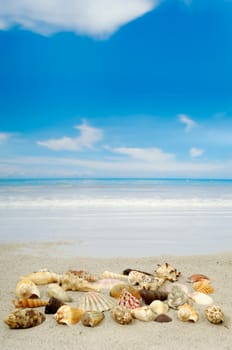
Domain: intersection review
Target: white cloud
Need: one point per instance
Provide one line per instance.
(145, 154)
(4, 136)
(88, 137)
(97, 18)
(196, 152)
(188, 122)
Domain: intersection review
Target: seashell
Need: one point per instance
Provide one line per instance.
(128, 300)
(24, 318)
(71, 282)
(187, 313)
(197, 277)
(159, 307)
(68, 315)
(109, 274)
(121, 314)
(25, 288)
(177, 297)
(201, 298)
(56, 291)
(43, 277)
(214, 314)
(167, 272)
(53, 305)
(149, 295)
(106, 283)
(203, 286)
(167, 287)
(23, 303)
(85, 275)
(117, 290)
(127, 271)
(163, 318)
(94, 301)
(92, 318)
(151, 285)
(136, 278)
(143, 313)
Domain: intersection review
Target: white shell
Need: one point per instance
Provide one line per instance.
(159, 307)
(143, 313)
(54, 290)
(94, 301)
(201, 298)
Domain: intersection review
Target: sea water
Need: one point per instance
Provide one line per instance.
(118, 217)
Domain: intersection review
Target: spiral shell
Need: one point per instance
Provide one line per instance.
(24, 318)
(25, 288)
(68, 315)
(30, 303)
(121, 314)
(167, 272)
(54, 290)
(203, 286)
(214, 314)
(177, 297)
(187, 313)
(43, 277)
(92, 318)
(109, 274)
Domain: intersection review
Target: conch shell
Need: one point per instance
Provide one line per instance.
(24, 318)
(54, 290)
(136, 278)
(214, 314)
(68, 315)
(92, 318)
(143, 313)
(30, 303)
(122, 315)
(116, 291)
(85, 275)
(177, 297)
(75, 283)
(203, 286)
(109, 274)
(158, 307)
(43, 277)
(94, 301)
(25, 288)
(187, 313)
(167, 272)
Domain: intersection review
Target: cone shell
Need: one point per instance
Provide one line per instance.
(68, 315)
(30, 303)
(167, 272)
(214, 314)
(197, 277)
(201, 298)
(43, 277)
(54, 290)
(143, 313)
(25, 288)
(128, 300)
(203, 286)
(159, 307)
(187, 313)
(149, 295)
(53, 305)
(94, 301)
(24, 318)
(109, 274)
(121, 314)
(163, 318)
(116, 291)
(85, 275)
(177, 297)
(92, 318)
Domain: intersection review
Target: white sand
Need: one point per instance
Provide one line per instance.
(175, 335)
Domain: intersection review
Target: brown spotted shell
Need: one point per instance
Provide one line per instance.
(203, 286)
(121, 314)
(24, 318)
(214, 314)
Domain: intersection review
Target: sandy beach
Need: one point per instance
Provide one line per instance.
(109, 334)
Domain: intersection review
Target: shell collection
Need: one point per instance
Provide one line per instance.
(129, 297)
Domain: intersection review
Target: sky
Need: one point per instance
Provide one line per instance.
(126, 88)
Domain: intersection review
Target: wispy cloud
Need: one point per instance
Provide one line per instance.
(145, 154)
(87, 139)
(4, 136)
(196, 152)
(188, 122)
(97, 18)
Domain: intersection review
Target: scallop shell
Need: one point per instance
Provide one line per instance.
(201, 298)
(167, 272)
(197, 277)
(24, 318)
(53, 305)
(121, 314)
(92, 318)
(149, 295)
(214, 314)
(163, 318)
(187, 313)
(177, 297)
(71, 282)
(203, 286)
(136, 278)
(25, 288)
(94, 301)
(68, 315)
(43, 277)
(54, 290)
(24, 303)
(85, 275)
(143, 313)
(109, 274)
(128, 300)
(159, 307)
(116, 291)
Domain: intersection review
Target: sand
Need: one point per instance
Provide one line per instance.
(109, 335)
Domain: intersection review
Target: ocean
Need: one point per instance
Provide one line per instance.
(118, 217)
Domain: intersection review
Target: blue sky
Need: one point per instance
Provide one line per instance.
(105, 88)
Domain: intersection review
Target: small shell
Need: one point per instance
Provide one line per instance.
(128, 300)
(24, 318)
(197, 277)
(106, 283)
(149, 295)
(71, 282)
(214, 314)
(92, 318)
(53, 305)
(201, 298)
(54, 290)
(136, 278)
(25, 288)
(167, 272)
(109, 274)
(163, 318)
(143, 313)
(167, 287)
(203, 286)
(94, 301)
(116, 291)
(187, 313)
(121, 314)
(127, 271)
(85, 275)
(159, 307)
(68, 315)
(23, 303)
(43, 277)
(177, 297)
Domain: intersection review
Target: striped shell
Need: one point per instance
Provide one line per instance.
(25, 288)
(94, 301)
(128, 300)
(187, 313)
(203, 286)
(24, 318)
(121, 314)
(214, 314)
(31, 303)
